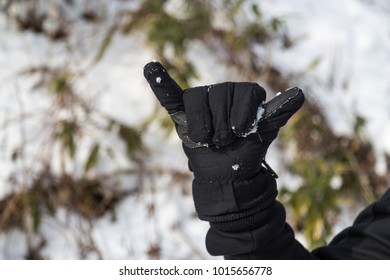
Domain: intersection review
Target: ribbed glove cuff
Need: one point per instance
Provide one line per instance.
(242, 221)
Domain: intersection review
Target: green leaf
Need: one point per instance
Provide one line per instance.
(71, 145)
(131, 138)
(66, 136)
(113, 215)
(105, 44)
(256, 10)
(359, 124)
(235, 8)
(314, 63)
(93, 157)
(57, 84)
(276, 24)
(35, 212)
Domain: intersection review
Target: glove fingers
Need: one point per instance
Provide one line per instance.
(199, 120)
(246, 101)
(221, 112)
(167, 91)
(220, 102)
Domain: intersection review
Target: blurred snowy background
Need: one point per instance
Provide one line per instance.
(89, 164)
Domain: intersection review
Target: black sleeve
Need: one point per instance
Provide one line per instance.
(263, 234)
(271, 241)
(367, 239)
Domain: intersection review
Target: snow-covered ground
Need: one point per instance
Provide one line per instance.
(349, 40)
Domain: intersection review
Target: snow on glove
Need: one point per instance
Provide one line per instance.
(226, 129)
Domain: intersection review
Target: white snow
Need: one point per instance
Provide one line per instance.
(235, 167)
(336, 182)
(253, 127)
(351, 41)
(259, 115)
(260, 112)
(158, 80)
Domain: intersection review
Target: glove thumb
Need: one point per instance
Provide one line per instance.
(278, 111)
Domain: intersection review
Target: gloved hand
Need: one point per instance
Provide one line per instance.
(226, 130)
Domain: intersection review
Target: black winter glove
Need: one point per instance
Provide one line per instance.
(226, 130)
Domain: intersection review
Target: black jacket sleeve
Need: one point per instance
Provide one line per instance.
(263, 234)
(368, 238)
